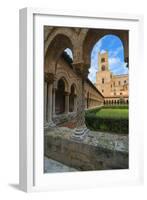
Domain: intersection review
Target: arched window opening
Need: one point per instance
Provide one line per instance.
(60, 97)
(103, 68)
(102, 60)
(68, 55)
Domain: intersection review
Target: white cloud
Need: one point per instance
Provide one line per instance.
(115, 52)
(103, 51)
(94, 61)
(69, 52)
(92, 74)
(113, 61)
(117, 66)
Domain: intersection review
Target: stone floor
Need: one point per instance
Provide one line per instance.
(106, 140)
(97, 151)
(52, 166)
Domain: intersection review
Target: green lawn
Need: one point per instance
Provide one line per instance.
(113, 113)
(108, 119)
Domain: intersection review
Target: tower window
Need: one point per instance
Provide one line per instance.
(103, 80)
(103, 67)
(125, 81)
(118, 82)
(102, 60)
(102, 90)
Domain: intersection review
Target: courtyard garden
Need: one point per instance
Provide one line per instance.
(114, 119)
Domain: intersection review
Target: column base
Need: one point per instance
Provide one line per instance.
(80, 134)
(45, 125)
(50, 124)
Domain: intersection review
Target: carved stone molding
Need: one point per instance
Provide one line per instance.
(49, 77)
(67, 93)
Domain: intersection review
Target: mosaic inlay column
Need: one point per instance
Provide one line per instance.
(81, 129)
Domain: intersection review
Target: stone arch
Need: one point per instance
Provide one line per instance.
(67, 32)
(61, 76)
(94, 35)
(75, 88)
(55, 50)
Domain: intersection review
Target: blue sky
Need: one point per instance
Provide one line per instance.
(113, 45)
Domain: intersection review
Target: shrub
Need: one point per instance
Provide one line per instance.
(115, 125)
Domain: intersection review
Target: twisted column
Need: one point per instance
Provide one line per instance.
(81, 129)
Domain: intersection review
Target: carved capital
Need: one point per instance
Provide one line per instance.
(49, 77)
(66, 93)
(81, 69)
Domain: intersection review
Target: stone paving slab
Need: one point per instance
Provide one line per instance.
(52, 166)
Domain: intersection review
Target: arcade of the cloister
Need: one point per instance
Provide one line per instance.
(67, 89)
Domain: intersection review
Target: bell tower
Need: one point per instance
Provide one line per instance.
(103, 75)
(103, 64)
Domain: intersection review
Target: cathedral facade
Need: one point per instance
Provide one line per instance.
(114, 88)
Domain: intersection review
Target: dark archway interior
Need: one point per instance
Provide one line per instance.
(60, 98)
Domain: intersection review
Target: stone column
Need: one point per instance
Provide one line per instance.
(54, 102)
(66, 102)
(75, 103)
(81, 130)
(54, 96)
(45, 103)
(49, 79)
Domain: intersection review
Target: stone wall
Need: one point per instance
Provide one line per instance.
(98, 151)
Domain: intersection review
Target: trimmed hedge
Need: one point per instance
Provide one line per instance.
(116, 107)
(115, 125)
